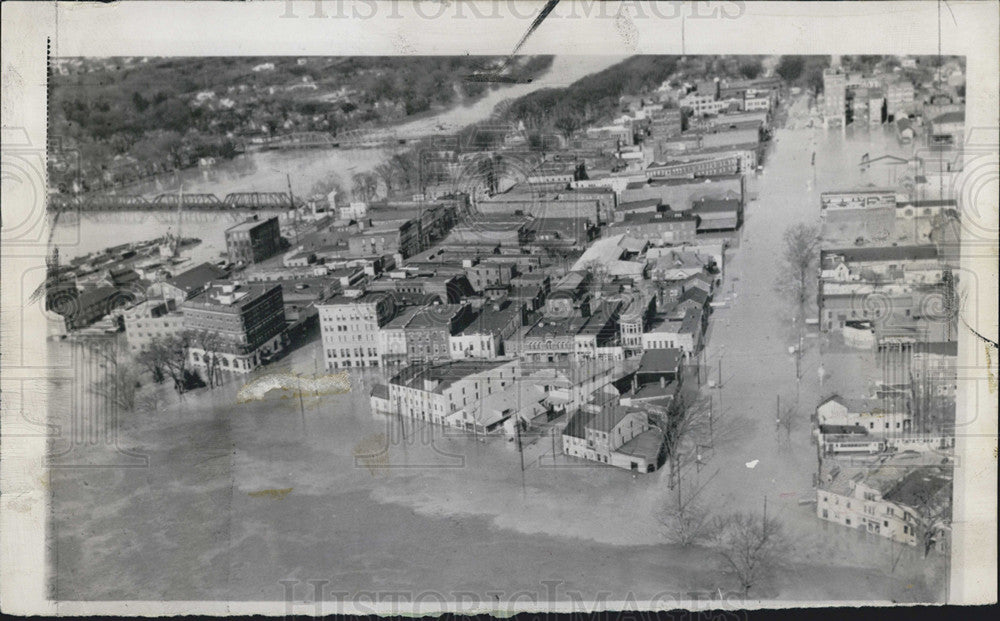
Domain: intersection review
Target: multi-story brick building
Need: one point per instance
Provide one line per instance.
(253, 240)
(483, 275)
(350, 324)
(437, 393)
(421, 334)
(150, 320)
(485, 335)
(237, 326)
(403, 238)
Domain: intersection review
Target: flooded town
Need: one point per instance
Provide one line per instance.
(593, 331)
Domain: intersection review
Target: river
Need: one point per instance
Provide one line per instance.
(266, 171)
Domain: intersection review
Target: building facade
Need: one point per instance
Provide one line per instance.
(237, 326)
(253, 241)
(151, 320)
(349, 327)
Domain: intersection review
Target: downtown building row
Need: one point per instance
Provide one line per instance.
(230, 325)
(888, 290)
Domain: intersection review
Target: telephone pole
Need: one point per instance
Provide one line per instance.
(291, 202)
(711, 433)
(302, 407)
(520, 448)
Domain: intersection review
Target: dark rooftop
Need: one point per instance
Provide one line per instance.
(918, 488)
(884, 253)
(660, 361)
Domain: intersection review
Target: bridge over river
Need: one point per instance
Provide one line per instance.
(172, 201)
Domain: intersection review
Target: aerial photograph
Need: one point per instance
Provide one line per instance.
(349, 332)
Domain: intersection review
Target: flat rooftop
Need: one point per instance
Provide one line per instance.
(249, 224)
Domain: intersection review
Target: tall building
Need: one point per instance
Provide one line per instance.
(254, 240)
(834, 98)
(237, 326)
(350, 326)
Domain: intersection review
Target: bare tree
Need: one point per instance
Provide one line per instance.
(787, 421)
(121, 380)
(170, 355)
(797, 275)
(408, 166)
(687, 519)
(567, 125)
(386, 171)
(210, 343)
(750, 547)
(681, 424)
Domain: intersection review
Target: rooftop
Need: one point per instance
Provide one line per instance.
(715, 205)
(660, 361)
(368, 297)
(646, 445)
(197, 277)
(883, 253)
(443, 375)
(651, 217)
(491, 321)
(231, 295)
(919, 487)
(250, 223)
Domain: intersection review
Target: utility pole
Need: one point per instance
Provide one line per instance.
(520, 448)
(553, 446)
(720, 381)
(711, 433)
(291, 202)
(302, 407)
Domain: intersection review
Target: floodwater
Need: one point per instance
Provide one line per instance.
(235, 500)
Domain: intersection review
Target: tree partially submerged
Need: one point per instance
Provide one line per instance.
(687, 517)
(797, 273)
(120, 381)
(750, 547)
(169, 355)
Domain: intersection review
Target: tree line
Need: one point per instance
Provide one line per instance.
(140, 119)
